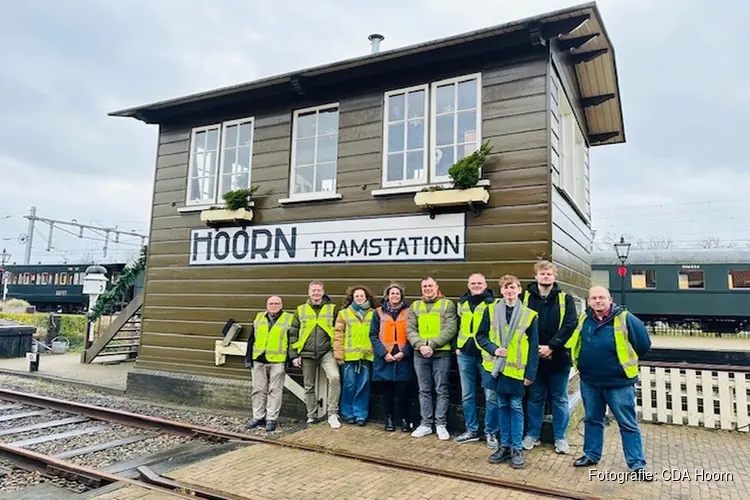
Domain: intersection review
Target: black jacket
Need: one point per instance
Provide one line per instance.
(548, 309)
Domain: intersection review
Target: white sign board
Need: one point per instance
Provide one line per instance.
(375, 239)
(95, 284)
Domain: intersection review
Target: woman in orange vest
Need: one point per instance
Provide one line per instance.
(393, 365)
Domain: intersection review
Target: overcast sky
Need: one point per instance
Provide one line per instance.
(64, 65)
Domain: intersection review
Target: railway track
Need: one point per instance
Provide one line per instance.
(106, 416)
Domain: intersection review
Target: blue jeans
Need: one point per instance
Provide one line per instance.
(621, 400)
(511, 420)
(355, 393)
(556, 385)
(470, 370)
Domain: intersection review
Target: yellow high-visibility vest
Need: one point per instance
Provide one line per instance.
(470, 322)
(274, 341)
(626, 355)
(560, 300)
(430, 322)
(308, 320)
(357, 343)
(517, 356)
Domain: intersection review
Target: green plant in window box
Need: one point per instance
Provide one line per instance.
(236, 207)
(465, 174)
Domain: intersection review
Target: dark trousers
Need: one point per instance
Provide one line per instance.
(396, 400)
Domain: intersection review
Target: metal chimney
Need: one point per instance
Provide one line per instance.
(375, 40)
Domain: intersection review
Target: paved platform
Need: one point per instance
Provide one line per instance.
(132, 492)
(68, 368)
(702, 343)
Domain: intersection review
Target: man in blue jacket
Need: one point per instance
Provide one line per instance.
(606, 347)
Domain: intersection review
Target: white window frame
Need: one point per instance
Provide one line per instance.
(315, 195)
(386, 120)
(572, 154)
(430, 163)
(433, 120)
(218, 178)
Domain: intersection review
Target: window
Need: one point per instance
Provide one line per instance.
(643, 278)
(220, 160)
(419, 151)
(600, 278)
(573, 152)
(314, 152)
(692, 279)
(739, 278)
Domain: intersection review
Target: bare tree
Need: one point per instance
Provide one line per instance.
(659, 243)
(714, 242)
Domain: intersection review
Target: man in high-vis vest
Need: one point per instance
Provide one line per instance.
(605, 348)
(557, 320)
(267, 350)
(471, 313)
(311, 338)
(430, 327)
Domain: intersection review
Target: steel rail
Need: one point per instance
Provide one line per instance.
(186, 429)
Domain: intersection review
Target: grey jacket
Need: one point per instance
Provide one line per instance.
(448, 330)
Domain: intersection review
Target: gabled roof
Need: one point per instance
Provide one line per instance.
(579, 29)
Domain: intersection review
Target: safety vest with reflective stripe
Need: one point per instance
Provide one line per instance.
(357, 343)
(271, 341)
(308, 320)
(470, 322)
(392, 332)
(517, 355)
(626, 355)
(560, 300)
(430, 322)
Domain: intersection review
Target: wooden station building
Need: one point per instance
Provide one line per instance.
(339, 153)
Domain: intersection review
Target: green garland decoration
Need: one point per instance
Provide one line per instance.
(125, 282)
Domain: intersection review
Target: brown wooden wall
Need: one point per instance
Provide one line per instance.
(570, 229)
(186, 307)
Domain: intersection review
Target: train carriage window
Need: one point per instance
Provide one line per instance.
(692, 279)
(643, 278)
(739, 278)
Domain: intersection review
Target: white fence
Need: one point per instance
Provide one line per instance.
(714, 397)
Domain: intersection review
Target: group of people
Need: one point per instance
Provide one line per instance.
(521, 344)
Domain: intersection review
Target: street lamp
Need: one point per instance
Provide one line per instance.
(623, 250)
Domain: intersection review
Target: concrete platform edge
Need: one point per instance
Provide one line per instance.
(116, 391)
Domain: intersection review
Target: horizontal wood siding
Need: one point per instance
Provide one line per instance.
(571, 235)
(186, 307)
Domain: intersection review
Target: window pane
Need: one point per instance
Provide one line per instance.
(306, 125)
(204, 164)
(414, 164)
(212, 139)
(643, 278)
(303, 179)
(691, 279)
(396, 137)
(415, 134)
(416, 104)
(739, 278)
(327, 148)
(467, 95)
(199, 142)
(444, 99)
(395, 171)
(202, 188)
(243, 160)
(444, 130)
(445, 160)
(467, 127)
(328, 121)
(229, 161)
(245, 134)
(396, 107)
(325, 175)
(464, 150)
(304, 152)
(231, 136)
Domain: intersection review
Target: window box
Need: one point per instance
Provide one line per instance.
(223, 215)
(471, 197)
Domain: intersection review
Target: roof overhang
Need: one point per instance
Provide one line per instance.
(578, 30)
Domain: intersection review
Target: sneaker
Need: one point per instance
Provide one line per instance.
(350, 420)
(516, 459)
(466, 437)
(270, 426)
(333, 421)
(500, 456)
(310, 420)
(421, 431)
(529, 442)
(256, 422)
(561, 446)
(361, 423)
(442, 433)
(492, 442)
